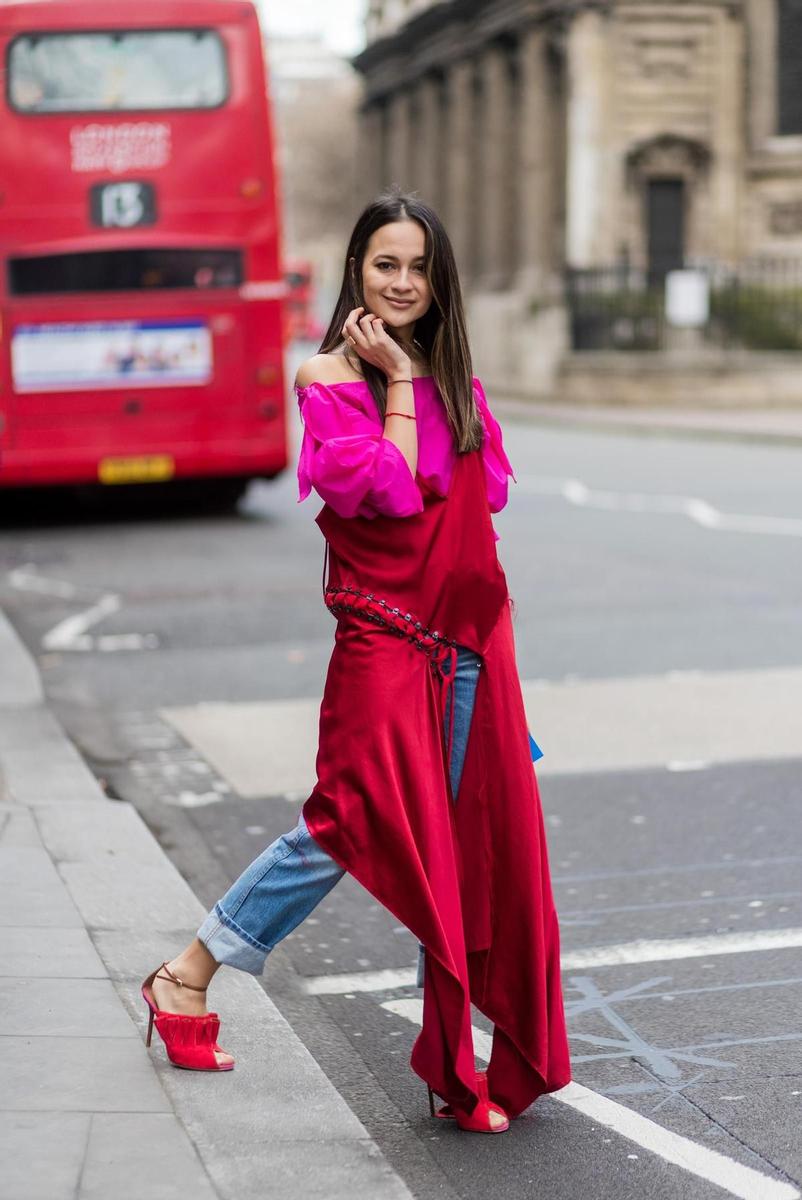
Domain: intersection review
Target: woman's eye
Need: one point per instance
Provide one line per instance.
(381, 265)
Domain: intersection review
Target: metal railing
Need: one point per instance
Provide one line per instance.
(755, 306)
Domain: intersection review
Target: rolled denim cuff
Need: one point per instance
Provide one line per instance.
(226, 946)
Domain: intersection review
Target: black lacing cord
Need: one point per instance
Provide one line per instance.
(325, 565)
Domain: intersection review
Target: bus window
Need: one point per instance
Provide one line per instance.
(117, 71)
(124, 270)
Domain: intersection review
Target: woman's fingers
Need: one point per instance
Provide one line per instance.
(363, 330)
(366, 333)
(350, 328)
(381, 337)
(366, 325)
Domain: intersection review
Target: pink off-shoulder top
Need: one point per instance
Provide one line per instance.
(360, 473)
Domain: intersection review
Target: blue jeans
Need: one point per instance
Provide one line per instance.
(289, 879)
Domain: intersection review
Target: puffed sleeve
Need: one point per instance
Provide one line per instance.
(496, 464)
(347, 460)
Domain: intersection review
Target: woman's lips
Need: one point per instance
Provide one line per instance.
(400, 303)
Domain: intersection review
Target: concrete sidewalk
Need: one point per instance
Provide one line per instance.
(771, 426)
(88, 905)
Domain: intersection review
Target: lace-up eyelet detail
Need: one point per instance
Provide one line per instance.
(441, 651)
(348, 600)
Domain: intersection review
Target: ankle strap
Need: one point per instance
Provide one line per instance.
(190, 986)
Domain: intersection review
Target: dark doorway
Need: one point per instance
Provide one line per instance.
(665, 216)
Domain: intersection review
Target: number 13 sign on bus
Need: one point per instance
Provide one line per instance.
(141, 289)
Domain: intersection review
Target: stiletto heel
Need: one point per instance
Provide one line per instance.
(477, 1121)
(447, 1112)
(432, 1110)
(190, 1042)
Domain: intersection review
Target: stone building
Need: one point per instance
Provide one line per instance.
(315, 96)
(556, 135)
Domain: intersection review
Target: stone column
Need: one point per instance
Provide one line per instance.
(761, 32)
(385, 130)
(587, 126)
(369, 174)
(412, 133)
(459, 169)
(729, 149)
(429, 140)
(399, 156)
(492, 181)
(535, 165)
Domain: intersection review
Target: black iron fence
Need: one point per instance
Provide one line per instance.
(756, 306)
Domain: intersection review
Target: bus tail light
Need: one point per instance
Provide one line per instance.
(250, 188)
(267, 374)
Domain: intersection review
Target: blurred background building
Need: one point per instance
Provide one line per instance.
(581, 150)
(315, 93)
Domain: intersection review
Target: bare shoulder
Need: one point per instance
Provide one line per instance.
(325, 368)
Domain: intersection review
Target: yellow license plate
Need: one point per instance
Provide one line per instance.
(147, 468)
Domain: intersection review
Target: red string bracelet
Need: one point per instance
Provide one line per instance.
(408, 416)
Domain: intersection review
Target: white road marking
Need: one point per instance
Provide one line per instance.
(193, 799)
(126, 641)
(700, 511)
(671, 949)
(359, 981)
(26, 579)
(71, 633)
(716, 1168)
(641, 951)
(710, 1165)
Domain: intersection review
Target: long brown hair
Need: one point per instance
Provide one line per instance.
(441, 331)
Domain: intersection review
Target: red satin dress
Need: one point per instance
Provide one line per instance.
(470, 881)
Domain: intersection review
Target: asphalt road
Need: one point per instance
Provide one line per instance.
(679, 885)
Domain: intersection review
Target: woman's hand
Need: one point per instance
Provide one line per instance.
(366, 334)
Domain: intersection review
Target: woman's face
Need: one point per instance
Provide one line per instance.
(394, 282)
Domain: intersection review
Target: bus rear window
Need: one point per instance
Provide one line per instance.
(124, 271)
(117, 71)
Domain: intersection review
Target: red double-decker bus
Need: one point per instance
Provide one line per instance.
(140, 284)
(299, 316)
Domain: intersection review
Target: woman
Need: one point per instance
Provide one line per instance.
(422, 704)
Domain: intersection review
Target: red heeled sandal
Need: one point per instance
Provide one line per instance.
(190, 1042)
(477, 1121)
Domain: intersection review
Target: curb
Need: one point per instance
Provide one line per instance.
(649, 424)
(20, 684)
(90, 890)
